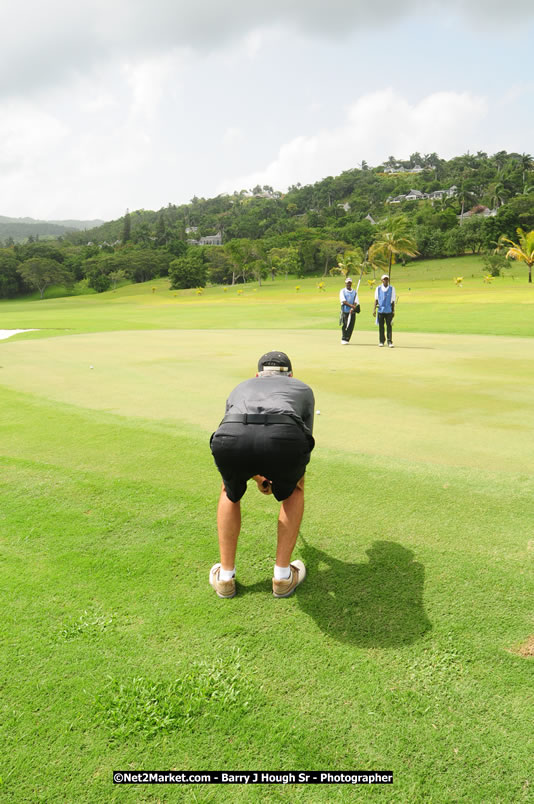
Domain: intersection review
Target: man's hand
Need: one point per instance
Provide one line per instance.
(264, 485)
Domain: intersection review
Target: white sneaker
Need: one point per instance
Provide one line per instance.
(391, 346)
(345, 343)
(286, 587)
(223, 588)
(381, 345)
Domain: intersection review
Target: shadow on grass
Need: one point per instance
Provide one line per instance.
(378, 604)
(374, 345)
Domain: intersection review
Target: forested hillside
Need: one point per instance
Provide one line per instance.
(463, 205)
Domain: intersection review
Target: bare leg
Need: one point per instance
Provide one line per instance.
(228, 526)
(289, 521)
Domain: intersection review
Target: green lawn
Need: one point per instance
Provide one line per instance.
(429, 301)
(400, 651)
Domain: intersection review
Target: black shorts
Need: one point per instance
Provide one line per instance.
(279, 452)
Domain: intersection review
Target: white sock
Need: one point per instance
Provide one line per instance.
(281, 573)
(226, 575)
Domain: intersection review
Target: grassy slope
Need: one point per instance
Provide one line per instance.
(429, 301)
(396, 651)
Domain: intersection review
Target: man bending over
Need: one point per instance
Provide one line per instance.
(266, 434)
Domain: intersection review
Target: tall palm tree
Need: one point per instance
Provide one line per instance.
(522, 251)
(392, 241)
(350, 262)
(497, 195)
(499, 160)
(466, 196)
(376, 261)
(527, 163)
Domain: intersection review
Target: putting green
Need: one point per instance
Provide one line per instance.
(454, 400)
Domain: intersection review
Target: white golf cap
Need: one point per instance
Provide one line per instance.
(348, 279)
(384, 276)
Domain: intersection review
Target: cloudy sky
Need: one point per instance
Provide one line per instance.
(114, 104)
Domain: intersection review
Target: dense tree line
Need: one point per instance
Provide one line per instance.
(36, 266)
(303, 232)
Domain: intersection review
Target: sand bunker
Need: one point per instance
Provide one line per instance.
(7, 333)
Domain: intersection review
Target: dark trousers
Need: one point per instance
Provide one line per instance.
(387, 319)
(348, 326)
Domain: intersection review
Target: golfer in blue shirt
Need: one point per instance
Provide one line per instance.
(349, 303)
(385, 302)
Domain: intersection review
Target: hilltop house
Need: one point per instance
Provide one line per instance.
(417, 195)
(211, 240)
(400, 169)
(267, 194)
(207, 240)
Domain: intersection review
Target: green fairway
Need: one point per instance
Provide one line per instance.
(428, 301)
(402, 649)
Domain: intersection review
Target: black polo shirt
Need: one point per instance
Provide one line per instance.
(274, 394)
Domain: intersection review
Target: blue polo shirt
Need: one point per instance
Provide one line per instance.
(385, 297)
(347, 295)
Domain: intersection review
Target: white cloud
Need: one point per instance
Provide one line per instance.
(106, 104)
(60, 39)
(98, 101)
(376, 125)
(27, 134)
(518, 92)
(148, 80)
(107, 142)
(50, 168)
(253, 43)
(233, 136)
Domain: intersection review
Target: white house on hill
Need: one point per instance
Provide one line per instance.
(207, 240)
(417, 195)
(400, 169)
(211, 240)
